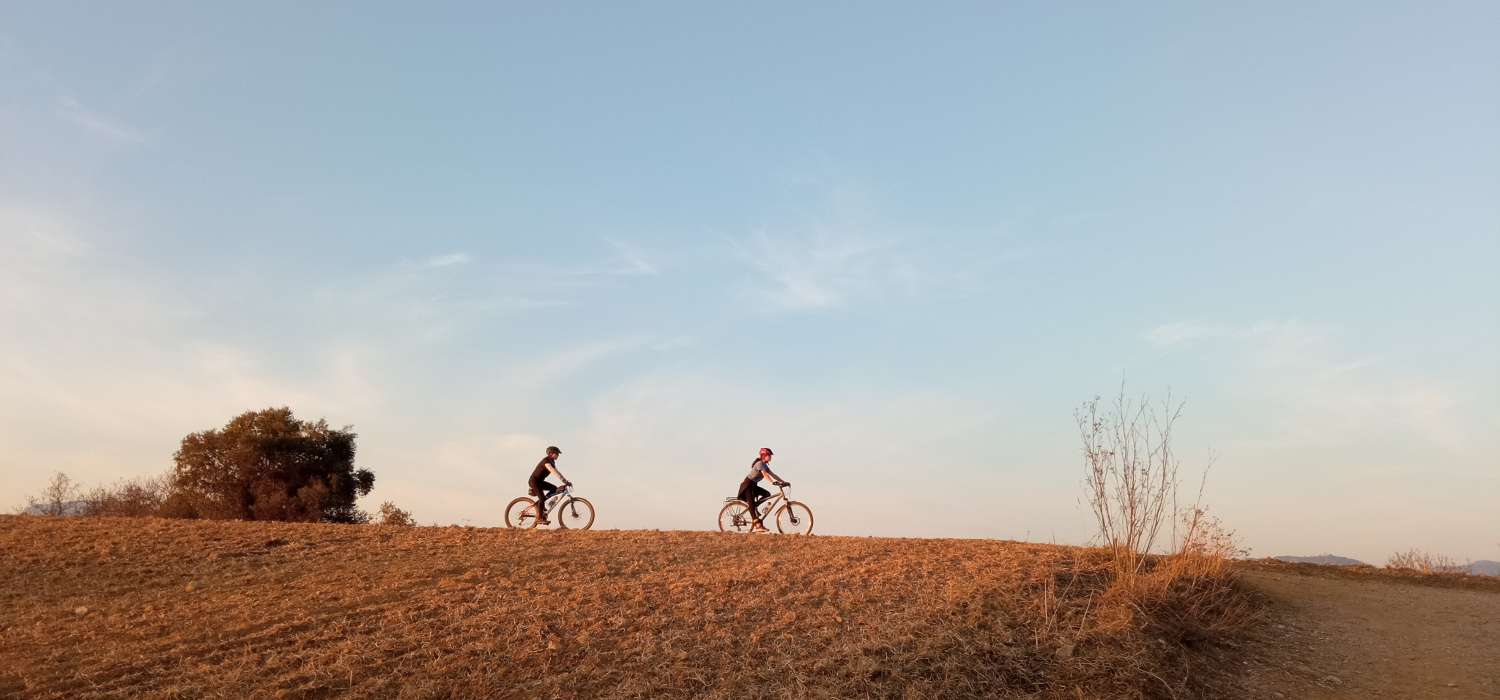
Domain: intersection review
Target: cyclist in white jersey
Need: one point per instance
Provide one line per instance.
(752, 494)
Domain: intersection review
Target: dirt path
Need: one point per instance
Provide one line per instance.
(1335, 635)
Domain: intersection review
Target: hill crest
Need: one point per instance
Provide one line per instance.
(110, 607)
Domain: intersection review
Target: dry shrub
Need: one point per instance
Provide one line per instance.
(1192, 594)
(130, 498)
(59, 497)
(391, 515)
(1205, 536)
(1425, 562)
(1188, 594)
(1130, 474)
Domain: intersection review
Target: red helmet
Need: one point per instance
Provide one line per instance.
(766, 451)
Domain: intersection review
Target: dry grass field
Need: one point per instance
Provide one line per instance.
(154, 608)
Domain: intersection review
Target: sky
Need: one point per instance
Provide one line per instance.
(898, 244)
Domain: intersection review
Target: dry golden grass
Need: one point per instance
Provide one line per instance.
(152, 608)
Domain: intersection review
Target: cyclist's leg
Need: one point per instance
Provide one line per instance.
(747, 494)
(758, 495)
(544, 491)
(550, 491)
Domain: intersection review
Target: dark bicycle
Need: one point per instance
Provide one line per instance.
(566, 511)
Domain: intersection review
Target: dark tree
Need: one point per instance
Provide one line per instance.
(267, 465)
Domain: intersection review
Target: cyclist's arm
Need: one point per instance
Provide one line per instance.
(774, 479)
(553, 468)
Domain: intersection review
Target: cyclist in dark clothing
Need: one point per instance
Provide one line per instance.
(752, 494)
(541, 487)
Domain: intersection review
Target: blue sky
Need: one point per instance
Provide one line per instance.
(897, 244)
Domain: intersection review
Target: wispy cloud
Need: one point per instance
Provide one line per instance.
(448, 260)
(832, 260)
(1178, 332)
(98, 125)
(102, 369)
(31, 244)
(626, 260)
(568, 362)
(1285, 334)
(819, 269)
(431, 299)
(1326, 393)
(634, 261)
(1314, 425)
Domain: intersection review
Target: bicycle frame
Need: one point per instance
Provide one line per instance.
(768, 506)
(557, 497)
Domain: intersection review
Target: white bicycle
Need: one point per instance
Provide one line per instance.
(568, 512)
(792, 518)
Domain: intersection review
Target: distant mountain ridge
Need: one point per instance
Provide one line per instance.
(68, 508)
(1485, 566)
(1321, 559)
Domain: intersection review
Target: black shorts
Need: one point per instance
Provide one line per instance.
(541, 487)
(752, 494)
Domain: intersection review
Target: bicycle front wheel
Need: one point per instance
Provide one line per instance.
(521, 513)
(735, 517)
(574, 514)
(794, 519)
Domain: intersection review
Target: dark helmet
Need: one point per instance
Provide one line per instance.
(766, 451)
(553, 451)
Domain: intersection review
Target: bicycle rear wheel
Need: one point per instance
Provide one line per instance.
(735, 517)
(574, 514)
(521, 513)
(794, 518)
